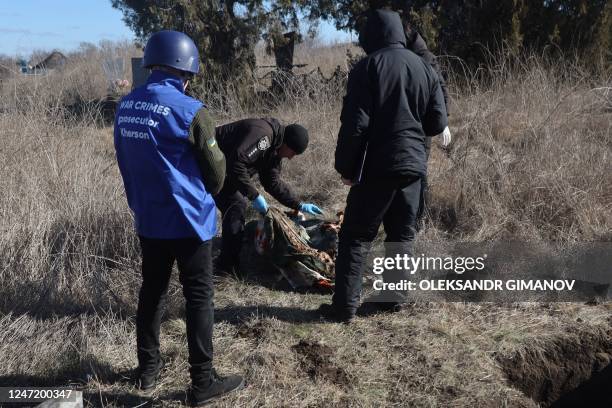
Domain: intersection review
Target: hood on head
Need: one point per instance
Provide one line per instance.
(382, 29)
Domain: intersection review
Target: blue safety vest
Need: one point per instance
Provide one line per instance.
(162, 180)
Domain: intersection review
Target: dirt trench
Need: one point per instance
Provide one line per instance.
(566, 371)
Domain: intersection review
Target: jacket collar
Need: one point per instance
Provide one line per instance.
(165, 78)
(278, 132)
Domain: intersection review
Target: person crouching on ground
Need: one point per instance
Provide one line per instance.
(254, 146)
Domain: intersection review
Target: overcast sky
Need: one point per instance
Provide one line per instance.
(27, 25)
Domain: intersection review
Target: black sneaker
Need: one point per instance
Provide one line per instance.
(332, 314)
(147, 379)
(217, 388)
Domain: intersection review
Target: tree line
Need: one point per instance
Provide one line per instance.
(226, 32)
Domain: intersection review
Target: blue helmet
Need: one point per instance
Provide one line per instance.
(172, 49)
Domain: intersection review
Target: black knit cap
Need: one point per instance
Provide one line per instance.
(296, 138)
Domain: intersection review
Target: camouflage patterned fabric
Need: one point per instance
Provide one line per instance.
(303, 251)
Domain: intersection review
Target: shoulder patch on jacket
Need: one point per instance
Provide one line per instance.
(263, 143)
(259, 146)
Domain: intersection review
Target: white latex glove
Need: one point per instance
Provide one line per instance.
(446, 137)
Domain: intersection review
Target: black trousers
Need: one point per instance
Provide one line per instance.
(394, 204)
(232, 205)
(195, 274)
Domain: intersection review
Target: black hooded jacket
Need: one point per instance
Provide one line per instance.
(393, 102)
(250, 147)
(416, 44)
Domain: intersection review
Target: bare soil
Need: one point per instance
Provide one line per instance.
(316, 361)
(565, 369)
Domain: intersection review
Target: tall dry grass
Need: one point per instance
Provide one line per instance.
(531, 154)
(83, 79)
(531, 159)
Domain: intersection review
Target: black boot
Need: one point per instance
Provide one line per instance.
(387, 302)
(221, 267)
(218, 387)
(333, 314)
(372, 308)
(147, 379)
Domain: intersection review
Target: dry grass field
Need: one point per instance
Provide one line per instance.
(531, 160)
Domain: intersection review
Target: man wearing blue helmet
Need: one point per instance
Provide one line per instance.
(171, 166)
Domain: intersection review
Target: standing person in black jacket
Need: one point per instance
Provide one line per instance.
(254, 146)
(416, 44)
(393, 102)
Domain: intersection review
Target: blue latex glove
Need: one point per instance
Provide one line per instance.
(259, 203)
(310, 209)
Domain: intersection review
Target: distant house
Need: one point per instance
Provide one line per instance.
(53, 61)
